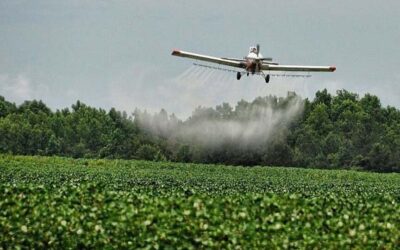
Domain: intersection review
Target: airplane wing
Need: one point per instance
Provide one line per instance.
(223, 61)
(233, 59)
(298, 68)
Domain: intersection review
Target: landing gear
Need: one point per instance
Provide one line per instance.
(267, 78)
(238, 75)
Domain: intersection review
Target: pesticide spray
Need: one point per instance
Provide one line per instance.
(248, 125)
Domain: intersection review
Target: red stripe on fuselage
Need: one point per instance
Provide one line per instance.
(176, 52)
(251, 66)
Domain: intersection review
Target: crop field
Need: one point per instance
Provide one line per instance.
(54, 202)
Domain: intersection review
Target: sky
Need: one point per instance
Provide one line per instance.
(118, 53)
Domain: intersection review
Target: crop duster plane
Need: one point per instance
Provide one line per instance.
(253, 63)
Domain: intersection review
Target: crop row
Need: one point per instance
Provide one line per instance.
(210, 179)
(53, 202)
(87, 216)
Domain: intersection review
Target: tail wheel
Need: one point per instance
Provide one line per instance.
(238, 75)
(267, 79)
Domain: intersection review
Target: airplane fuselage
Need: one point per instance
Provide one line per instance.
(251, 66)
(253, 61)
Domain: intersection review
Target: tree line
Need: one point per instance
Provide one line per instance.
(331, 131)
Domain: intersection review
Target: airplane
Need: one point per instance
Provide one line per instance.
(253, 63)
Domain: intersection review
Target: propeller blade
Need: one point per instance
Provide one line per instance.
(258, 49)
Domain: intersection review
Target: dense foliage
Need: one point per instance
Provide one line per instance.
(51, 202)
(342, 131)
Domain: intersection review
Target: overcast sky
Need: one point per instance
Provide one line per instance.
(117, 53)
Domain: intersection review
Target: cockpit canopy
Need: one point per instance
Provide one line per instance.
(254, 53)
(253, 50)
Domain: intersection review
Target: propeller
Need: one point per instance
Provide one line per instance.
(265, 58)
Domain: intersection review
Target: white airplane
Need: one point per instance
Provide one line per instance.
(254, 63)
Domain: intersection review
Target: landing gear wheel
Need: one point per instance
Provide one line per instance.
(238, 75)
(267, 79)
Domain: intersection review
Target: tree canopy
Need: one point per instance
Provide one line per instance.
(330, 131)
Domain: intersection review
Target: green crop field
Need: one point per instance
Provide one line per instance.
(53, 202)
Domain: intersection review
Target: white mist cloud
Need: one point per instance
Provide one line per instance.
(17, 88)
(257, 126)
(20, 88)
(251, 125)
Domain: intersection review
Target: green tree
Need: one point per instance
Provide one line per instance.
(149, 152)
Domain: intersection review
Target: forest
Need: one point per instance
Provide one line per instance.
(341, 131)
